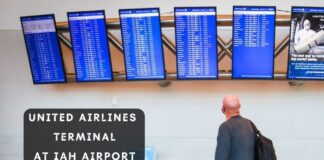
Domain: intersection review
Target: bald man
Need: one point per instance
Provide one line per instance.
(236, 138)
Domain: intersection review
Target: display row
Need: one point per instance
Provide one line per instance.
(196, 44)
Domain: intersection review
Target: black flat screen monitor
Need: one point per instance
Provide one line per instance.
(43, 48)
(253, 42)
(142, 42)
(196, 42)
(91, 54)
(306, 51)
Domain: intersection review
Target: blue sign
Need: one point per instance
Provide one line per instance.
(253, 42)
(196, 42)
(90, 46)
(142, 42)
(43, 48)
(306, 51)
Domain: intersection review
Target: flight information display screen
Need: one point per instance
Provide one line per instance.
(43, 48)
(306, 51)
(253, 42)
(196, 42)
(90, 46)
(142, 42)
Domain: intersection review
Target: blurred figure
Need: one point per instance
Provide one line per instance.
(236, 137)
(304, 33)
(308, 41)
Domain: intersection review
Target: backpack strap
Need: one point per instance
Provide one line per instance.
(255, 128)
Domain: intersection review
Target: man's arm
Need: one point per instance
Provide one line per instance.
(297, 37)
(223, 143)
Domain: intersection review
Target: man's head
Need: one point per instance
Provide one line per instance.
(231, 106)
(306, 24)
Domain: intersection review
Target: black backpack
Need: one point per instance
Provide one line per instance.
(264, 149)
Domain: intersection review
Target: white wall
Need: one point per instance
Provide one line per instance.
(181, 120)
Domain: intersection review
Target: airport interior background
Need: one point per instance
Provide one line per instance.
(182, 119)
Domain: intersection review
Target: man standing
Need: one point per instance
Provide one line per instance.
(236, 138)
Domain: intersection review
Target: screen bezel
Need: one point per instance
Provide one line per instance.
(59, 45)
(288, 60)
(274, 46)
(162, 50)
(109, 54)
(216, 27)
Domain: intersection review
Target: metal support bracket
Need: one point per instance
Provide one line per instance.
(225, 47)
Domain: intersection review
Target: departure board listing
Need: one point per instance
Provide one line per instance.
(306, 51)
(84, 134)
(196, 34)
(90, 46)
(252, 49)
(43, 48)
(253, 42)
(142, 42)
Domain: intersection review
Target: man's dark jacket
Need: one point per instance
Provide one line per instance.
(235, 140)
